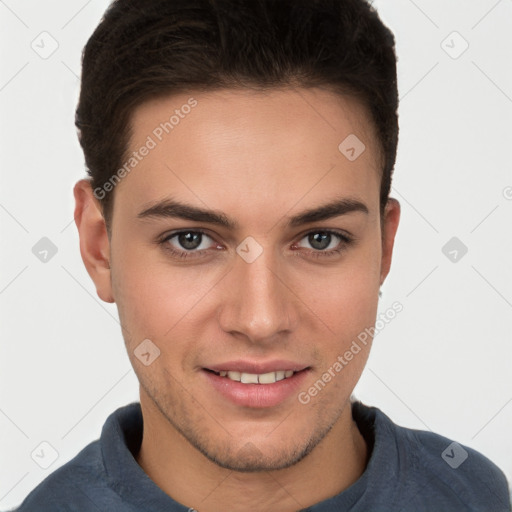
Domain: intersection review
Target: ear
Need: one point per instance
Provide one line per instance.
(94, 242)
(389, 228)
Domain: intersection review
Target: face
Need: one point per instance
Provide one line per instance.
(246, 241)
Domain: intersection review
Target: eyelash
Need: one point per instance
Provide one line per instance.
(345, 241)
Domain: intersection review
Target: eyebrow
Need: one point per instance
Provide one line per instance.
(170, 208)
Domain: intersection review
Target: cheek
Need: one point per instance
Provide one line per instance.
(150, 303)
(157, 300)
(141, 291)
(346, 301)
(154, 305)
(346, 295)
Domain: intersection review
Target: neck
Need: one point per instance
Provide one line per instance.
(191, 479)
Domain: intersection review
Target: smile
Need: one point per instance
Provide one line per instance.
(255, 378)
(257, 385)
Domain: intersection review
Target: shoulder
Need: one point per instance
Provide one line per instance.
(91, 480)
(420, 470)
(452, 472)
(80, 484)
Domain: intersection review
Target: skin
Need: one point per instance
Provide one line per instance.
(260, 158)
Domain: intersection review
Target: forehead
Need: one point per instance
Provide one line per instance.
(236, 147)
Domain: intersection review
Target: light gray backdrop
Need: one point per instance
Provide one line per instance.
(443, 364)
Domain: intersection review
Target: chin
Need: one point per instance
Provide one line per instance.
(262, 453)
(250, 459)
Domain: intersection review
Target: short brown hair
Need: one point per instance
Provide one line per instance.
(143, 49)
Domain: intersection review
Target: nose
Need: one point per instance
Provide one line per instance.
(259, 304)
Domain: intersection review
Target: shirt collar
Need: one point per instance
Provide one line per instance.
(122, 436)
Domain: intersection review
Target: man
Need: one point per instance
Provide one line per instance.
(240, 156)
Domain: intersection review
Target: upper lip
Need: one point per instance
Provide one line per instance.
(257, 367)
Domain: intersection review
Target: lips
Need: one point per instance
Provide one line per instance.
(256, 384)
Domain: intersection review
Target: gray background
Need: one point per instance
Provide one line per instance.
(443, 364)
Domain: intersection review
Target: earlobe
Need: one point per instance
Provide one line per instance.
(389, 229)
(94, 242)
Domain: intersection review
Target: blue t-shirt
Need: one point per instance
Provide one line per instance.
(408, 470)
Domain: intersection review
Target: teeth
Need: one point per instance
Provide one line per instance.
(254, 378)
(280, 375)
(234, 376)
(267, 378)
(249, 378)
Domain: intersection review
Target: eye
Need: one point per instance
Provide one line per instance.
(324, 242)
(185, 243)
(196, 243)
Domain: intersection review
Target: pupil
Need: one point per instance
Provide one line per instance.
(320, 240)
(190, 240)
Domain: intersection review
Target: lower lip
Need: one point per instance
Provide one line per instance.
(257, 395)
